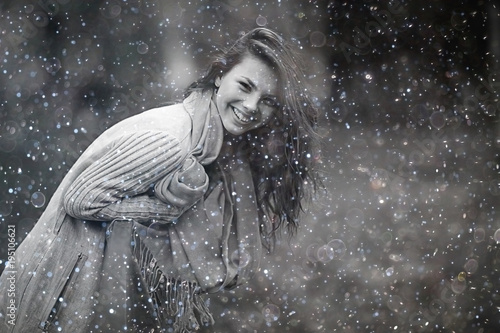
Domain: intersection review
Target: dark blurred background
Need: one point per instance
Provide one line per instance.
(405, 236)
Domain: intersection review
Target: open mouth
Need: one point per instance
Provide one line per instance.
(241, 116)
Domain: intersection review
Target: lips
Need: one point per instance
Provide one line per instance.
(244, 118)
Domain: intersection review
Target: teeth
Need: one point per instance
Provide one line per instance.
(241, 116)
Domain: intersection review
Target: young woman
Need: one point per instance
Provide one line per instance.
(172, 203)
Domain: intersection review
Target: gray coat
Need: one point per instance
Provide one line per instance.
(127, 180)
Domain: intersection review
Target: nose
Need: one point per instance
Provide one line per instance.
(251, 102)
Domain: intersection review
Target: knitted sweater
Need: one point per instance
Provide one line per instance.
(155, 148)
(145, 171)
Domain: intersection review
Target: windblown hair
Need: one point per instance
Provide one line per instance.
(283, 152)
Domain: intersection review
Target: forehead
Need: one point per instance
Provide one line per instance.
(258, 71)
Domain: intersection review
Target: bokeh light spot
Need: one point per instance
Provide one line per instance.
(261, 21)
(142, 48)
(271, 312)
(339, 248)
(38, 199)
(53, 65)
(241, 258)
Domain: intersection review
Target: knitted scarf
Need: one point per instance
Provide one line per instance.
(162, 271)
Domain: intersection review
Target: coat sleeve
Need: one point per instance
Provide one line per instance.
(119, 184)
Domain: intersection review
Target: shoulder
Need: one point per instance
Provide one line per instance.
(172, 120)
(165, 118)
(177, 119)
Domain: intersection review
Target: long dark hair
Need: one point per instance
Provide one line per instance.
(283, 152)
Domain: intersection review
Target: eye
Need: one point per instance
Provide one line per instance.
(271, 102)
(245, 86)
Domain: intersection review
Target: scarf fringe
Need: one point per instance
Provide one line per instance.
(171, 297)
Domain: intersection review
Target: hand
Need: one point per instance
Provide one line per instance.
(192, 173)
(185, 186)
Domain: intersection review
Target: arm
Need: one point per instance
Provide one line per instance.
(116, 185)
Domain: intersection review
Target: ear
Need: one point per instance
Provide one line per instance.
(217, 81)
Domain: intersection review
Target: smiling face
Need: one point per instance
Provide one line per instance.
(247, 95)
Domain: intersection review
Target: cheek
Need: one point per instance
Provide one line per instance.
(265, 118)
(228, 86)
(267, 114)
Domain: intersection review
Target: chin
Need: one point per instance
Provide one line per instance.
(235, 129)
(236, 132)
